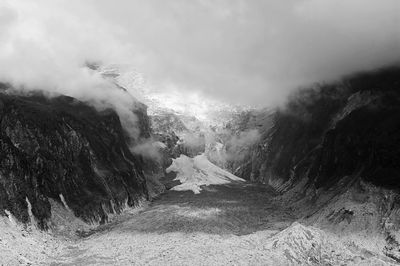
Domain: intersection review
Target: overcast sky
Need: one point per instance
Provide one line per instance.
(246, 51)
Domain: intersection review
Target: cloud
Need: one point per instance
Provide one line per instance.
(228, 147)
(243, 51)
(237, 146)
(150, 149)
(192, 140)
(45, 45)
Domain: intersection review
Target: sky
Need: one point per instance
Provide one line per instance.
(240, 51)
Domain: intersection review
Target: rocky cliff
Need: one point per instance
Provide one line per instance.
(63, 149)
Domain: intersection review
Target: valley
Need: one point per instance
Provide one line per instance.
(311, 183)
(202, 132)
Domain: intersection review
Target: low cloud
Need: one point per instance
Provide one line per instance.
(192, 140)
(150, 149)
(228, 147)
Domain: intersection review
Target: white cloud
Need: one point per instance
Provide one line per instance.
(246, 51)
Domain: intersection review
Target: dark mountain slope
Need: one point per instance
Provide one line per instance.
(367, 140)
(60, 146)
(332, 130)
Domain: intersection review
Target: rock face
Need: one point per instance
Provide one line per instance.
(181, 134)
(65, 150)
(243, 138)
(165, 128)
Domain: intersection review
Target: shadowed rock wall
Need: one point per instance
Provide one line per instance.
(60, 146)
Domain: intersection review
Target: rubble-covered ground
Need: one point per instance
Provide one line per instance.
(234, 224)
(223, 223)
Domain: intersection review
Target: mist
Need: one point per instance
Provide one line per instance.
(246, 52)
(228, 147)
(150, 149)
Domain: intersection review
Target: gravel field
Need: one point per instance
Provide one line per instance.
(235, 224)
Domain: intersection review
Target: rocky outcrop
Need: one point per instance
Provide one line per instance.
(165, 128)
(66, 150)
(181, 134)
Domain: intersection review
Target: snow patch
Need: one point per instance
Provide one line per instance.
(30, 213)
(199, 171)
(13, 221)
(64, 202)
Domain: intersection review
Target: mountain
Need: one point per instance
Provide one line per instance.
(333, 152)
(322, 171)
(184, 122)
(329, 131)
(171, 100)
(65, 150)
